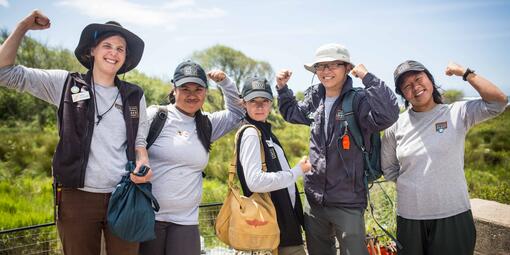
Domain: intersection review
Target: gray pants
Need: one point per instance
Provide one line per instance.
(323, 224)
(173, 239)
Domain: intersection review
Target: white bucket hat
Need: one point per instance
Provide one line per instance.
(329, 52)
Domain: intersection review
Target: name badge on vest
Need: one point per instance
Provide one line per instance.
(272, 150)
(84, 95)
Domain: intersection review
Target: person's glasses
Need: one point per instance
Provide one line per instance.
(320, 67)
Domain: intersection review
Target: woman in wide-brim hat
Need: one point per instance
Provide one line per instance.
(102, 125)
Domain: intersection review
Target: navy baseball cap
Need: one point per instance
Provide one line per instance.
(189, 71)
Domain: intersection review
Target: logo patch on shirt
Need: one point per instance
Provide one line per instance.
(133, 112)
(441, 126)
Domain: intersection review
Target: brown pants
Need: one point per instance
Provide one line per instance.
(82, 220)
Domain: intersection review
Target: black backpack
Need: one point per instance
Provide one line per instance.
(371, 157)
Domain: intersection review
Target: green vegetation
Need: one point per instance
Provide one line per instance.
(452, 95)
(235, 63)
(487, 159)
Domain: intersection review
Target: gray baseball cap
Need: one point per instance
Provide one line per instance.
(256, 87)
(407, 66)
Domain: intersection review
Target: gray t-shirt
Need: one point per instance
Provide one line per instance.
(328, 105)
(424, 153)
(107, 157)
(178, 158)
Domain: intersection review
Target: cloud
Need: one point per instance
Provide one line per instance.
(4, 3)
(166, 15)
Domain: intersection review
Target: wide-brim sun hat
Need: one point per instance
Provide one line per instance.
(92, 32)
(327, 53)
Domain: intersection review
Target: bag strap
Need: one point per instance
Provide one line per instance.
(233, 163)
(157, 125)
(148, 194)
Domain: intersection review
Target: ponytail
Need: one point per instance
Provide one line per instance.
(171, 96)
(204, 130)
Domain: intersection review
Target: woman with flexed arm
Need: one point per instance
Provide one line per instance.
(180, 154)
(423, 152)
(102, 125)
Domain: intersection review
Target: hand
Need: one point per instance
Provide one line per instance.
(140, 179)
(454, 69)
(35, 21)
(305, 164)
(216, 75)
(359, 71)
(139, 163)
(283, 77)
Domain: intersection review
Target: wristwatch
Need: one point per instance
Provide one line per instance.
(466, 73)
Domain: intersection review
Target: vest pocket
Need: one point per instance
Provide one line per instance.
(76, 112)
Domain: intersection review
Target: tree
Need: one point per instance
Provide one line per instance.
(233, 62)
(452, 95)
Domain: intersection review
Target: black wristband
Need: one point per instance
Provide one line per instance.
(466, 73)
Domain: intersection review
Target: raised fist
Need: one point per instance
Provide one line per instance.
(454, 69)
(36, 20)
(359, 71)
(217, 75)
(283, 77)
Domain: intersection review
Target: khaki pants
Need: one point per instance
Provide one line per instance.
(82, 220)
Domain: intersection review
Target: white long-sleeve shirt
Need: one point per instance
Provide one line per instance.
(256, 179)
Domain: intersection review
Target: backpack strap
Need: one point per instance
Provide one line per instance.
(354, 130)
(157, 125)
(352, 124)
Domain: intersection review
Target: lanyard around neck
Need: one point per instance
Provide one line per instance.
(100, 116)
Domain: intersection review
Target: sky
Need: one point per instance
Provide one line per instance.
(379, 34)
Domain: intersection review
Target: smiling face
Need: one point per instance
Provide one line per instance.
(417, 88)
(109, 55)
(332, 75)
(189, 98)
(258, 108)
